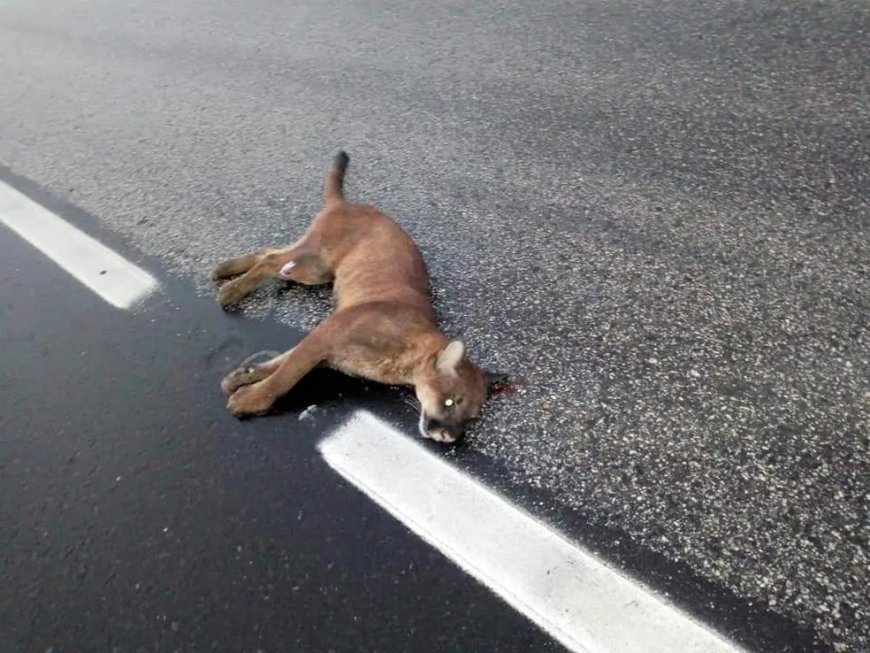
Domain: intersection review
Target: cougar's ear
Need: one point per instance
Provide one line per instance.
(448, 359)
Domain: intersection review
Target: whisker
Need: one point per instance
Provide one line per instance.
(412, 402)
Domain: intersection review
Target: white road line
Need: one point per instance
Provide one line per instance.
(575, 597)
(111, 276)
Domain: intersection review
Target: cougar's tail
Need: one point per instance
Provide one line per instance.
(332, 189)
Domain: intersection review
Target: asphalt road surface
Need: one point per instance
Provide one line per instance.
(653, 215)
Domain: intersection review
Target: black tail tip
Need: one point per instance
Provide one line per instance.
(342, 159)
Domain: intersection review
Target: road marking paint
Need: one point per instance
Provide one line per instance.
(112, 277)
(570, 593)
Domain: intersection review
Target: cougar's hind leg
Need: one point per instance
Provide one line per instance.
(236, 266)
(299, 262)
(305, 267)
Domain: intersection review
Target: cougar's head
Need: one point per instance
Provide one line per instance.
(451, 391)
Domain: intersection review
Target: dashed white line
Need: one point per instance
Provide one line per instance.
(109, 275)
(570, 593)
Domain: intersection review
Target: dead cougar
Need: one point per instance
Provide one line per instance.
(383, 327)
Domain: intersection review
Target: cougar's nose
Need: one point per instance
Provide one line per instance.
(439, 431)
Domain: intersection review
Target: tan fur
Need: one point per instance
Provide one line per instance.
(383, 327)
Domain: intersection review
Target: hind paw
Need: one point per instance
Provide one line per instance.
(231, 294)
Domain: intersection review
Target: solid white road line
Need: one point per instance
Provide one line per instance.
(570, 593)
(112, 277)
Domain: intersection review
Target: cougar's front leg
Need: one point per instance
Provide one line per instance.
(258, 397)
(248, 374)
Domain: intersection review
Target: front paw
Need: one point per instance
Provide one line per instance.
(249, 400)
(241, 377)
(235, 380)
(230, 294)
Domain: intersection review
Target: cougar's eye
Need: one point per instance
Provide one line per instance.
(448, 402)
